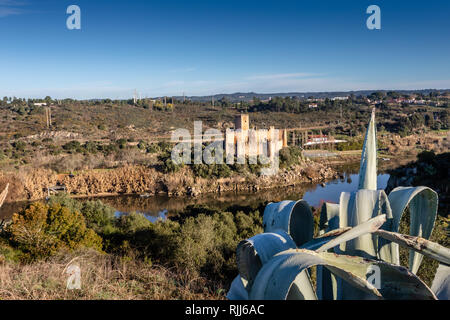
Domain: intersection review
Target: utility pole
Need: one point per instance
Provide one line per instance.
(46, 118)
(48, 115)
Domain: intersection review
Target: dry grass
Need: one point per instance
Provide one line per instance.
(102, 277)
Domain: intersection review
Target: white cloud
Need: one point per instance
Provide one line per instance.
(281, 76)
(7, 8)
(5, 12)
(183, 70)
(107, 89)
(11, 3)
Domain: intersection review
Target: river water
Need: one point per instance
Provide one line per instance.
(161, 206)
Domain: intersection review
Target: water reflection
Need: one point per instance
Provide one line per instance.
(331, 192)
(160, 207)
(152, 217)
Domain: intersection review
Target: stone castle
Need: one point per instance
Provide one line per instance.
(246, 142)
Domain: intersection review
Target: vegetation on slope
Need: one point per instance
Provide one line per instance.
(190, 256)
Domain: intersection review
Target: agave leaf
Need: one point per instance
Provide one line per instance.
(357, 208)
(293, 217)
(421, 245)
(369, 226)
(368, 165)
(3, 195)
(329, 217)
(238, 289)
(423, 204)
(285, 279)
(336, 237)
(326, 281)
(252, 253)
(281, 278)
(441, 282)
(316, 243)
(326, 284)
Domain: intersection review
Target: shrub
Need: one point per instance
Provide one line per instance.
(290, 156)
(211, 170)
(19, 145)
(195, 243)
(153, 148)
(427, 157)
(41, 230)
(171, 167)
(122, 143)
(133, 222)
(73, 146)
(352, 144)
(64, 200)
(99, 217)
(206, 244)
(142, 145)
(90, 147)
(165, 147)
(248, 224)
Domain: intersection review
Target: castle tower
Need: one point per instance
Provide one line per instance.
(285, 139)
(241, 122)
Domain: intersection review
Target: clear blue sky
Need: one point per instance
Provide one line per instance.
(167, 47)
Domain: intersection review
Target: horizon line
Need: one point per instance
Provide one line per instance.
(249, 93)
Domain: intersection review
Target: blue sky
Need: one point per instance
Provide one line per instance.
(167, 47)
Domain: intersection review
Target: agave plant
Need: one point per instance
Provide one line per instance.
(3, 195)
(2, 200)
(356, 255)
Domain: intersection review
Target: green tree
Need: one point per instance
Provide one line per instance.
(41, 230)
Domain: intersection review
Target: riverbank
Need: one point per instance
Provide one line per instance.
(429, 170)
(30, 185)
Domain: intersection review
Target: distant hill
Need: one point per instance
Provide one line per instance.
(247, 96)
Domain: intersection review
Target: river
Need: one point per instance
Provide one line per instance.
(161, 206)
